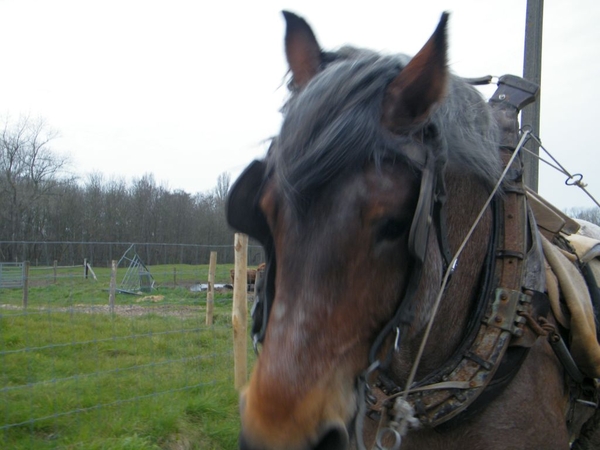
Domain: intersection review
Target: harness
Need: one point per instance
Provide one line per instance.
(500, 330)
(497, 338)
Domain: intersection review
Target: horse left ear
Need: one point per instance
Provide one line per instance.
(420, 85)
(301, 49)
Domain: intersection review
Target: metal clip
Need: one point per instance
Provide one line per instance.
(505, 306)
(397, 339)
(397, 439)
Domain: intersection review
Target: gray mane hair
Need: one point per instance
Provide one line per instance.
(333, 126)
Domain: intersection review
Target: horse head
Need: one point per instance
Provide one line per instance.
(350, 204)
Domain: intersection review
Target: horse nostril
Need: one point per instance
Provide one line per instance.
(334, 438)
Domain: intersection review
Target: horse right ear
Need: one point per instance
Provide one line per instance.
(419, 86)
(301, 49)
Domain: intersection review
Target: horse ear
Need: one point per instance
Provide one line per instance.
(301, 49)
(420, 85)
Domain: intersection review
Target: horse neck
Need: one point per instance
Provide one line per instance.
(466, 196)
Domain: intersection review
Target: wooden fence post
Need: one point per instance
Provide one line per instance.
(85, 269)
(25, 284)
(210, 291)
(239, 315)
(113, 286)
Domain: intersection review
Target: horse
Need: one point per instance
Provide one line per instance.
(403, 300)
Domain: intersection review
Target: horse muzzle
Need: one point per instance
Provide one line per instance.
(293, 434)
(333, 437)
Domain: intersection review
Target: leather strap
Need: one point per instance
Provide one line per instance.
(476, 367)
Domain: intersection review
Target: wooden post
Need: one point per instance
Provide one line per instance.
(210, 291)
(113, 286)
(55, 266)
(25, 284)
(239, 315)
(85, 269)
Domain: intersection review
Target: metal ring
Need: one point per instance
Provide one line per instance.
(397, 339)
(574, 180)
(397, 439)
(255, 343)
(526, 127)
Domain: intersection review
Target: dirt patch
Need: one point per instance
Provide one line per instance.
(121, 310)
(151, 298)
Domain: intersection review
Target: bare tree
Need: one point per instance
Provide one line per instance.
(222, 188)
(590, 214)
(29, 170)
(38, 202)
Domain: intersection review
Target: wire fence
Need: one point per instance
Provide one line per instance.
(70, 253)
(71, 365)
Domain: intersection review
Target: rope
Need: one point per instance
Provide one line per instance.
(541, 327)
(572, 179)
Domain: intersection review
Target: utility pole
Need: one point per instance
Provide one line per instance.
(532, 71)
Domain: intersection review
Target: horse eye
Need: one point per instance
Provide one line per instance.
(390, 230)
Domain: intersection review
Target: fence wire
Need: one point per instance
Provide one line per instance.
(100, 254)
(68, 363)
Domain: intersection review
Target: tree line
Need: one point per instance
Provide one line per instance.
(40, 204)
(47, 215)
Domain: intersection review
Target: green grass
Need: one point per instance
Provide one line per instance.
(150, 376)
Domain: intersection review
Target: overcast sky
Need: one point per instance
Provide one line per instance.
(187, 90)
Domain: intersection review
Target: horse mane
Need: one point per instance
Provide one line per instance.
(333, 126)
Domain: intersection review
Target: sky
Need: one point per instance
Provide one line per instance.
(187, 90)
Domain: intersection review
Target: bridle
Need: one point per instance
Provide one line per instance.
(244, 214)
(428, 212)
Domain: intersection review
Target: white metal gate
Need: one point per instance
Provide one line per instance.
(12, 275)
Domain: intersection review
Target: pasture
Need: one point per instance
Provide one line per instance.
(151, 375)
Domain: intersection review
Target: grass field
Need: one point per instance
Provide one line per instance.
(151, 375)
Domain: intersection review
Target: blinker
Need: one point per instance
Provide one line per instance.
(419, 230)
(243, 212)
